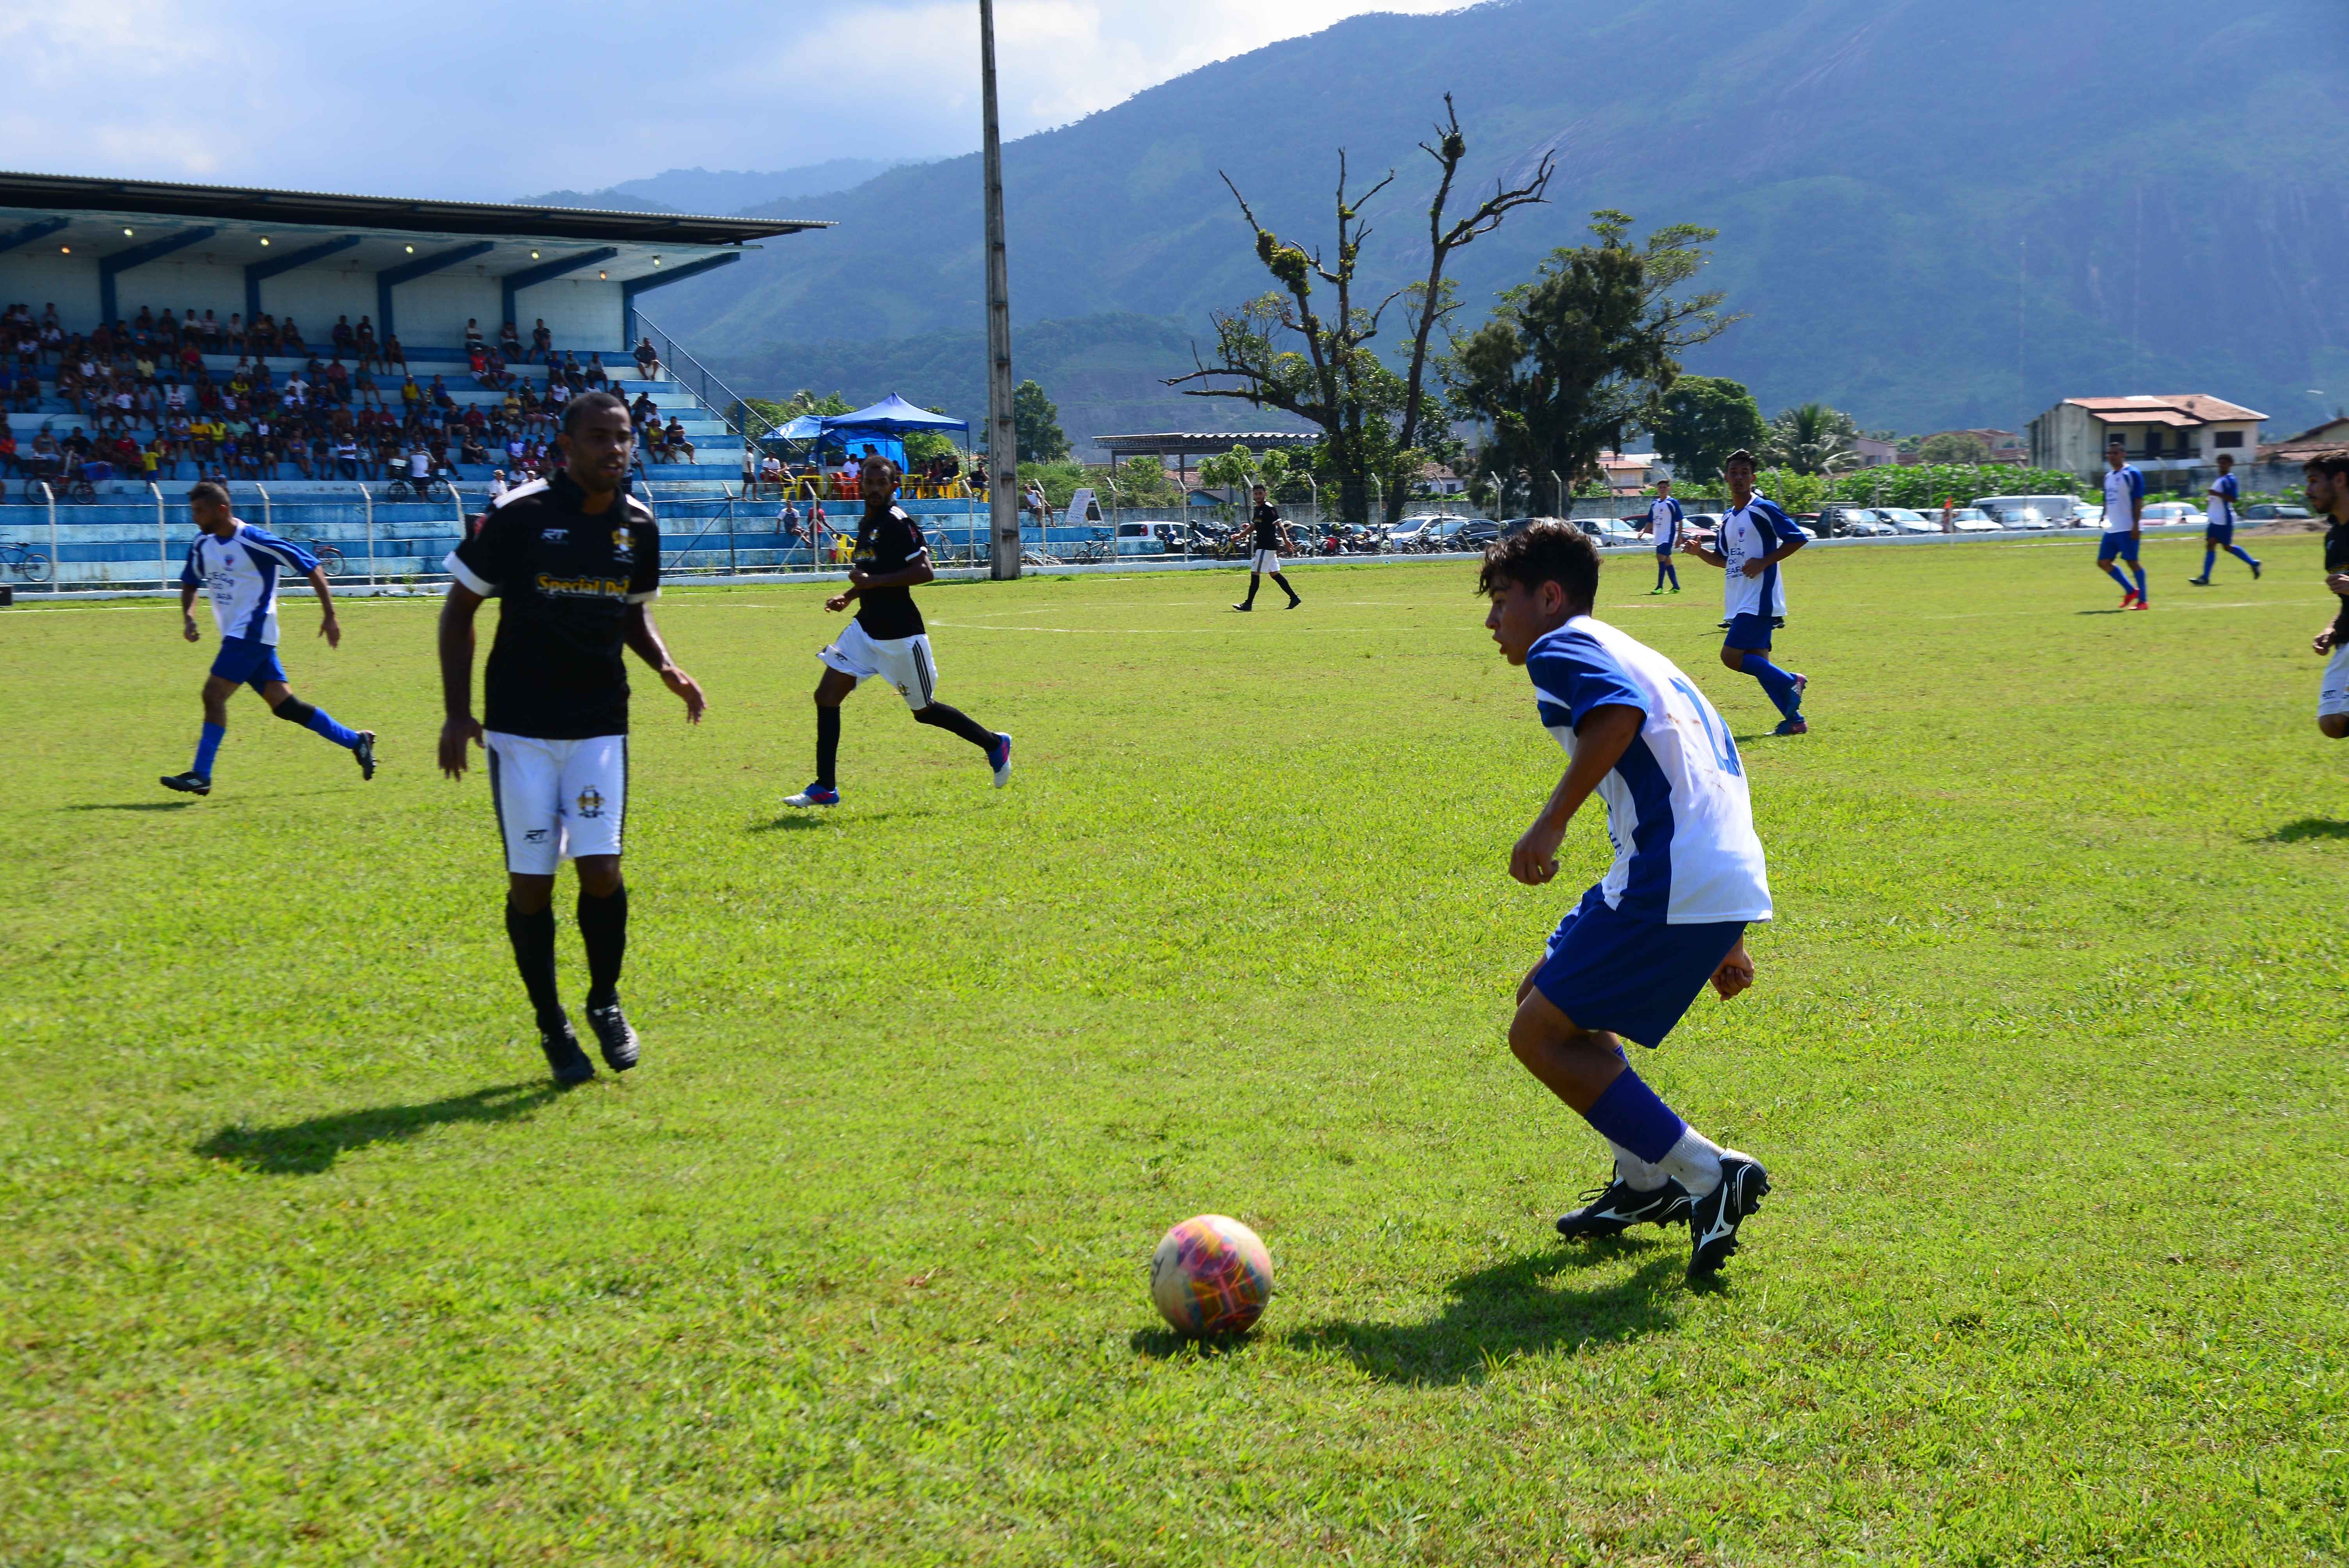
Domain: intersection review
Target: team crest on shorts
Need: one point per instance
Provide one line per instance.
(591, 804)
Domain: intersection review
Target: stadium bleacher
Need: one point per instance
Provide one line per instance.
(300, 452)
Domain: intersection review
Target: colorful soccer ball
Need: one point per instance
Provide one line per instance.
(1211, 1275)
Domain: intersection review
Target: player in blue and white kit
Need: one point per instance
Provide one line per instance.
(1754, 537)
(2218, 533)
(1664, 517)
(237, 565)
(1670, 916)
(2123, 503)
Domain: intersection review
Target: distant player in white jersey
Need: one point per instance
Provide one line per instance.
(1670, 916)
(1664, 519)
(2124, 508)
(237, 566)
(2219, 532)
(1754, 537)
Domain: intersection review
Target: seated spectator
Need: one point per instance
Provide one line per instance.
(167, 331)
(338, 382)
(472, 451)
(8, 464)
(597, 380)
(644, 411)
(493, 371)
(289, 338)
(771, 475)
(654, 442)
(440, 398)
(497, 484)
(260, 334)
(648, 362)
(345, 340)
(509, 344)
(678, 441)
(542, 343)
(346, 459)
(412, 396)
(364, 390)
(392, 353)
(472, 336)
(573, 377)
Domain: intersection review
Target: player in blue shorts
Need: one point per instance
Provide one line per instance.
(1670, 916)
(1664, 519)
(1754, 537)
(237, 565)
(2124, 501)
(2218, 533)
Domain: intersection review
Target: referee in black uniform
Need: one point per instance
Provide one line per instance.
(1271, 532)
(575, 560)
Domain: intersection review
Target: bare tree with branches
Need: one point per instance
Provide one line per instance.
(1370, 417)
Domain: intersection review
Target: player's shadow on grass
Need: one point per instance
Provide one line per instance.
(308, 1148)
(2309, 828)
(133, 806)
(1514, 1309)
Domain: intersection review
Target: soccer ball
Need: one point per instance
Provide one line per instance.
(1211, 1275)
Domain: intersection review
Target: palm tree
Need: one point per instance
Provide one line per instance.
(1812, 439)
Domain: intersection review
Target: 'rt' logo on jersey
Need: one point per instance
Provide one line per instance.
(591, 804)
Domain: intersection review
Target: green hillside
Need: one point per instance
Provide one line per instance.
(1935, 215)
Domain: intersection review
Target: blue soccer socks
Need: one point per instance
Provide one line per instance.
(1627, 1115)
(1777, 684)
(2140, 581)
(208, 749)
(2241, 554)
(322, 723)
(2118, 575)
(1665, 569)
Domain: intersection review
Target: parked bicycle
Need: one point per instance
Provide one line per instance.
(330, 556)
(400, 488)
(26, 561)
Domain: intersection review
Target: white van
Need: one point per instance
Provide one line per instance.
(1149, 538)
(2031, 510)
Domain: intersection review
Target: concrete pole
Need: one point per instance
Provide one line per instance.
(1003, 442)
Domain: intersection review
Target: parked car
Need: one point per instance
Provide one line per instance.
(1152, 538)
(2051, 510)
(1510, 525)
(2273, 511)
(2088, 514)
(2167, 514)
(1406, 531)
(1608, 531)
(1477, 533)
(1974, 519)
(1907, 521)
(1852, 522)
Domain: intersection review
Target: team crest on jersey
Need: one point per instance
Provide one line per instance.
(591, 803)
(621, 544)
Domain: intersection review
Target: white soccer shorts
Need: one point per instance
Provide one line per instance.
(1265, 560)
(557, 799)
(903, 662)
(2333, 697)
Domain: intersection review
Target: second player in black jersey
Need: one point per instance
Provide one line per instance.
(573, 561)
(1271, 532)
(886, 638)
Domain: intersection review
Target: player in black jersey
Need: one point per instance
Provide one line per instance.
(887, 638)
(1271, 534)
(2328, 496)
(575, 560)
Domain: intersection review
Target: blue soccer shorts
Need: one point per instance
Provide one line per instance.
(2123, 545)
(1608, 970)
(1748, 631)
(2219, 535)
(248, 662)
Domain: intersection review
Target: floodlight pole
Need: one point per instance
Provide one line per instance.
(1003, 441)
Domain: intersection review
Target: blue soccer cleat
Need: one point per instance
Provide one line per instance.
(999, 758)
(1796, 726)
(815, 795)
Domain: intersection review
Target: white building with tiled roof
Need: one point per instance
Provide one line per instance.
(2171, 433)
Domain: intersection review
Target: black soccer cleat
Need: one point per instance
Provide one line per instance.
(1713, 1219)
(564, 1058)
(1610, 1210)
(187, 783)
(613, 1036)
(364, 752)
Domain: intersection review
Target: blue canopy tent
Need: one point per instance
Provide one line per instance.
(883, 426)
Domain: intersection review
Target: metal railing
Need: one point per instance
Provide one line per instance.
(721, 400)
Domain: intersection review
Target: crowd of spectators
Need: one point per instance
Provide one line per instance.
(941, 476)
(150, 406)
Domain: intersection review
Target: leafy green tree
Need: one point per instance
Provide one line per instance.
(1955, 446)
(1701, 421)
(1139, 481)
(1035, 423)
(1235, 469)
(1812, 439)
(1571, 360)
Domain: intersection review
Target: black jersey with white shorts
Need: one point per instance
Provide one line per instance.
(556, 713)
(888, 637)
(2332, 692)
(1268, 540)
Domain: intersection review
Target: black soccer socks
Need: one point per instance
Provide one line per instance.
(604, 928)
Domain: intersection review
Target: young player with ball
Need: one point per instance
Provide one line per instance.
(1670, 916)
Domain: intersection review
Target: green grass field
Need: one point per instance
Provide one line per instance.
(300, 1261)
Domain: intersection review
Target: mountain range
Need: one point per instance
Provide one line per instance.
(1932, 215)
(725, 192)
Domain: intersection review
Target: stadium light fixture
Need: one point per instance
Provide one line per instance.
(533, 255)
(601, 274)
(65, 250)
(264, 238)
(411, 249)
(125, 233)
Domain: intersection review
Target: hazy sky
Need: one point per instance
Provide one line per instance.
(490, 99)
